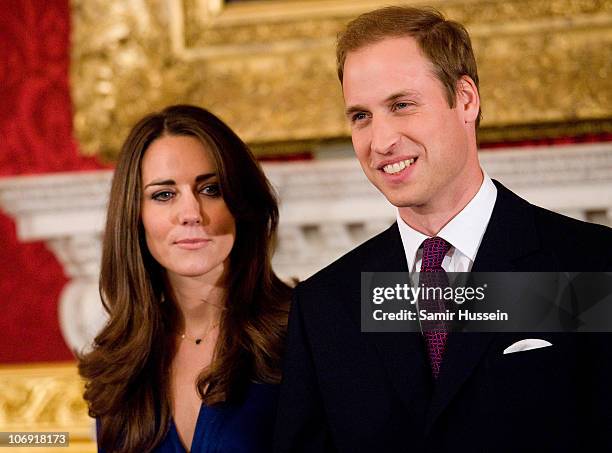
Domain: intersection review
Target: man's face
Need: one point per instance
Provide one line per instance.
(411, 145)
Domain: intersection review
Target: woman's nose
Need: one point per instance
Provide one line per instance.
(189, 210)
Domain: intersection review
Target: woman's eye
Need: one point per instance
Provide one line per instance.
(211, 190)
(164, 195)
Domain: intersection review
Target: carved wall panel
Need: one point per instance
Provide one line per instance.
(46, 398)
(268, 68)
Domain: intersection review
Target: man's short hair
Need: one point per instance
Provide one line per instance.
(445, 43)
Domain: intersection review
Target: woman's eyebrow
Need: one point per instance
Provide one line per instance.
(171, 182)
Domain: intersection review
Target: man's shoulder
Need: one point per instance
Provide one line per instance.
(552, 222)
(575, 239)
(570, 241)
(569, 224)
(578, 232)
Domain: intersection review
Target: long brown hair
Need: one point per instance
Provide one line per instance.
(127, 372)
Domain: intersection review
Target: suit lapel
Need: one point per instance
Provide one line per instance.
(510, 236)
(402, 354)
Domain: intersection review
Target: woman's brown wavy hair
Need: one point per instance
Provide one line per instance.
(127, 372)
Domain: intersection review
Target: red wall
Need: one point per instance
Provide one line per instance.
(35, 137)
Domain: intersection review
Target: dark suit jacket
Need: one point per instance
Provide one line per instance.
(344, 390)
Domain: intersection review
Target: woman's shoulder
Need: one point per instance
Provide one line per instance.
(259, 395)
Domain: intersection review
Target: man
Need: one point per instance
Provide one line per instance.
(410, 86)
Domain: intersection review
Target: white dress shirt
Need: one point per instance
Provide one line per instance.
(464, 232)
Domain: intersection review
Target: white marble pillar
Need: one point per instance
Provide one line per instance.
(67, 212)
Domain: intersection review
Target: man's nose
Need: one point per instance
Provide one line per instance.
(189, 210)
(384, 135)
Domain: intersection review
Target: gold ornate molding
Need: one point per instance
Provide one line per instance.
(268, 69)
(45, 397)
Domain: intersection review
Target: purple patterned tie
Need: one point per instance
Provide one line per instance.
(436, 333)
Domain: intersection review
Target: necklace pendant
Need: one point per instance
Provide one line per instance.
(198, 341)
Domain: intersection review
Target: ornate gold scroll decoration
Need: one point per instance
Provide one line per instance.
(47, 398)
(268, 67)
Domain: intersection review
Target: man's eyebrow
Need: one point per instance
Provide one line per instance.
(354, 109)
(401, 94)
(171, 182)
(391, 98)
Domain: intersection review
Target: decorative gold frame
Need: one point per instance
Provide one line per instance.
(48, 398)
(268, 68)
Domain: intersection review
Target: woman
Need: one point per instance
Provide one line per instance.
(190, 355)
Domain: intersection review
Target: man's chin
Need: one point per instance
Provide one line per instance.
(399, 195)
(401, 200)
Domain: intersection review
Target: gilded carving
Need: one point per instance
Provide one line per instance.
(268, 68)
(45, 398)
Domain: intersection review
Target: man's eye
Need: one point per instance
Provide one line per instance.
(212, 190)
(401, 105)
(163, 195)
(358, 117)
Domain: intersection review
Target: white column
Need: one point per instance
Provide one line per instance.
(67, 212)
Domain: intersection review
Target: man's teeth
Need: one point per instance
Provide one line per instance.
(397, 166)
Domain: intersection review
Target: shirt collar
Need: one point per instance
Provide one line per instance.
(464, 231)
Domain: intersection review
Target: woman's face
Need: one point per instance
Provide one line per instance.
(188, 227)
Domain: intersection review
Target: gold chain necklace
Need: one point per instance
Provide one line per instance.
(197, 341)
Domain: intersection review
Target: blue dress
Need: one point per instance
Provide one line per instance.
(231, 428)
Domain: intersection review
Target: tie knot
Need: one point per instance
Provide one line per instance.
(434, 250)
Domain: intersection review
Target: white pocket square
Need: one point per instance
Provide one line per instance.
(526, 345)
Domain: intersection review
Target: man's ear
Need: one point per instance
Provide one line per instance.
(468, 99)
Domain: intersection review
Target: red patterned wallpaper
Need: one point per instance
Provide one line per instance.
(35, 137)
